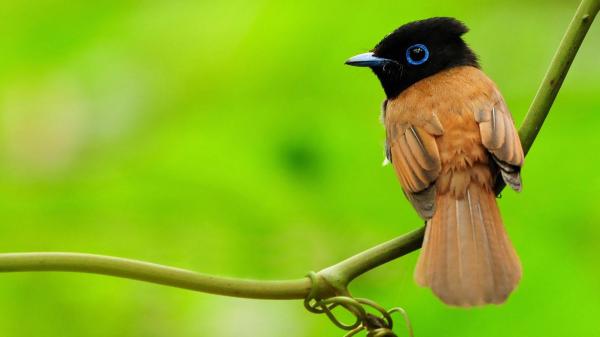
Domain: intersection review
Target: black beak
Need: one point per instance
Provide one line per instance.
(367, 60)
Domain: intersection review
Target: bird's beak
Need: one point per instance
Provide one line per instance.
(367, 60)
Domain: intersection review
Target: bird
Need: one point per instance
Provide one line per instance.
(452, 142)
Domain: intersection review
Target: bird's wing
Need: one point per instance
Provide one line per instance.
(501, 139)
(412, 149)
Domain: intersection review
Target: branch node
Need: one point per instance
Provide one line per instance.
(321, 288)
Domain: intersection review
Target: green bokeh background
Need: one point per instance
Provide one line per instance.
(229, 138)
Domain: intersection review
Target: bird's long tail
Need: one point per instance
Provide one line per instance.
(467, 258)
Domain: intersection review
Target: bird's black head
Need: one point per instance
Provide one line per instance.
(417, 50)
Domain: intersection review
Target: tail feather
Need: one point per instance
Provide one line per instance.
(467, 258)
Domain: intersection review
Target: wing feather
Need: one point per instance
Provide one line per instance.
(415, 156)
(423, 146)
(500, 137)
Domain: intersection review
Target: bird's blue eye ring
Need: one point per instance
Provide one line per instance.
(417, 54)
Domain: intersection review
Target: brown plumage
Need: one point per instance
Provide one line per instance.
(442, 141)
(452, 141)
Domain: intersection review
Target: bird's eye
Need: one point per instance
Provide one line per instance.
(417, 54)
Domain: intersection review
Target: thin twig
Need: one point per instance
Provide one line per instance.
(559, 67)
(154, 273)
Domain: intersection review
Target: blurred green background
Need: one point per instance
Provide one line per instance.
(229, 138)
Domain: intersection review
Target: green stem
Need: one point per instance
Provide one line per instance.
(342, 273)
(181, 278)
(559, 67)
(332, 280)
(154, 273)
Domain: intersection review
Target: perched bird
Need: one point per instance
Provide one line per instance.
(452, 142)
